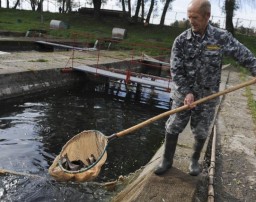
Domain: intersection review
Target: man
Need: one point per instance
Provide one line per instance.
(196, 61)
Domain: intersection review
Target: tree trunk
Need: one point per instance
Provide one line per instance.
(16, 4)
(166, 6)
(63, 6)
(7, 4)
(229, 9)
(136, 15)
(123, 9)
(123, 6)
(40, 6)
(68, 6)
(150, 11)
(142, 11)
(97, 5)
(129, 8)
(33, 5)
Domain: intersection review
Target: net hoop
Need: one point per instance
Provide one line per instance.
(78, 148)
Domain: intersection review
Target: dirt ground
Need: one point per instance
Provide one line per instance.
(235, 177)
(235, 173)
(34, 61)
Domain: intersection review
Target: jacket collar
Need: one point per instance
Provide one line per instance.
(208, 32)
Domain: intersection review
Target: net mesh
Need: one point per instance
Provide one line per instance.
(80, 147)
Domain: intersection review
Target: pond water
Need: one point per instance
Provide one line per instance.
(34, 129)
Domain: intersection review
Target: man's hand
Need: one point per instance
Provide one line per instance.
(189, 99)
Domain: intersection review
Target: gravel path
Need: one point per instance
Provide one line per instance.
(236, 147)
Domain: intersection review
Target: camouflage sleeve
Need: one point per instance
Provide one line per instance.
(241, 54)
(178, 73)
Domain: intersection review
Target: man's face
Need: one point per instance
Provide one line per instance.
(198, 21)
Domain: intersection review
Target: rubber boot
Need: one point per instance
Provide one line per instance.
(194, 167)
(169, 150)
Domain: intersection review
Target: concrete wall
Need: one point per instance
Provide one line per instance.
(24, 83)
(9, 45)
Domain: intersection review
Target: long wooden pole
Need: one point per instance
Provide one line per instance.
(182, 108)
(212, 167)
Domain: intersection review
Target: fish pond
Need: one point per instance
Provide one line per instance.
(33, 130)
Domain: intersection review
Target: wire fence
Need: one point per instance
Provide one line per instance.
(173, 17)
(179, 19)
(170, 19)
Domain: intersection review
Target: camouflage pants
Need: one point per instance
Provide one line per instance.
(201, 118)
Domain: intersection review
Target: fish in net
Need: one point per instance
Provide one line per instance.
(81, 158)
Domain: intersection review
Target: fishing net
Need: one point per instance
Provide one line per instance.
(80, 149)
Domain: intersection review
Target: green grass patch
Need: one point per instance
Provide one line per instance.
(248, 93)
(251, 103)
(153, 39)
(86, 28)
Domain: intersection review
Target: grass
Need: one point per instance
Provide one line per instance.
(152, 39)
(84, 27)
(248, 93)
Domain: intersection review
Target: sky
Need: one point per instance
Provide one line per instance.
(245, 16)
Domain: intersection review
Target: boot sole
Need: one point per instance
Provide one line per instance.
(161, 172)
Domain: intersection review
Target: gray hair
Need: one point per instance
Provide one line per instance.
(205, 7)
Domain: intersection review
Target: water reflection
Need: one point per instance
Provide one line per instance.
(34, 129)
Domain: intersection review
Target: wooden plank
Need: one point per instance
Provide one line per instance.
(66, 46)
(151, 59)
(3, 53)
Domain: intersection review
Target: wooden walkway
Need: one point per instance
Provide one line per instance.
(145, 79)
(67, 46)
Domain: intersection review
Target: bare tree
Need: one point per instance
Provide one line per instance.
(33, 4)
(68, 6)
(166, 7)
(129, 8)
(230, 6)
(63, 6)
(7, 4)
(150, 11)
(40, 6)
(142, 10)
(123, 6)
(16, 4)
(97, 6)
(136, 15)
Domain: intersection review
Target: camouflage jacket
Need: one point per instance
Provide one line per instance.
(196, 62)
